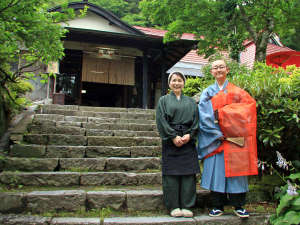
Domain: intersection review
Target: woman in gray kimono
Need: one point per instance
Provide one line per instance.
(177, 122)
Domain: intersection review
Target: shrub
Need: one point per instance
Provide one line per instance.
(288, 209)
(13, 102)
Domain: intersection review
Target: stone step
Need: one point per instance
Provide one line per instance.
(75, 200)
(81, 127)
(80, 164)
(64, 179)
(107, 114)
(254, 219)
(44, 108)
(86, 119)
(74, 130)
(130, 126)
(81, 140)
(55, 151)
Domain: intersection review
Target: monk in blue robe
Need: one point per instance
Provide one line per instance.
(226, 111)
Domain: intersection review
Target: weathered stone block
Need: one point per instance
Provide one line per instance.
(105, 199)
(11, 202)
(52, 117)
(145, 151)
(37, 122)
(55, 201)
(107, 151)
(102, 109)
(127, 133)
(76, 118)
(149, 178)
(21, 150)
(126, 164)
(142, 127)
(148, 141)
(85, 164)
(65, 112)
(138, 121)
(85, 113)
(60, 107)
(108, 178)
(69, 123)
(75, 221)
(40, 139)
(108, 114)
(101, 120)
(65, 151)
(30, 164)
(40, 178)
(144, 200)
(149, 220)
(12, 219)
(232, 219)
(74, 140)
(111, 141)
(137, 115)
(98, 132)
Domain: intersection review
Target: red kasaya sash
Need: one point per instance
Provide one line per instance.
(237, 118)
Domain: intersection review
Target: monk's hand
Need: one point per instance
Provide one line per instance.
(222, 138)
(177, 141)
(186, 138)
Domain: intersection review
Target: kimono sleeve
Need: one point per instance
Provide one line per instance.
(165, 130)
(193, 131)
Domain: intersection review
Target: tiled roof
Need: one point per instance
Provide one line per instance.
(193, 57)
(160, 33)
(275, 48)
(246, 57)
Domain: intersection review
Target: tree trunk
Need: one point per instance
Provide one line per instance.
(260, 53)
(261, 44)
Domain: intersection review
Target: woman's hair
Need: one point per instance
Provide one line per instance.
(178, 74)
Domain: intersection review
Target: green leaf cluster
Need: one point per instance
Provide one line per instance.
(288, 209)
(224, 24)
(30, 35)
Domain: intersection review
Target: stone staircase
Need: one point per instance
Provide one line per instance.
(83, 159)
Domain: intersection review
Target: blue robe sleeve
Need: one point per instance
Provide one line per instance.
(209, 131)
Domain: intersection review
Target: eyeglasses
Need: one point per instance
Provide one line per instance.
(218, 67)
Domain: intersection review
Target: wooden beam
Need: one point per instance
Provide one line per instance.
(164, 80)
(145, 81)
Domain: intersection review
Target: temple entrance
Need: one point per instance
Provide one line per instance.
(105, 95)
(92, 81)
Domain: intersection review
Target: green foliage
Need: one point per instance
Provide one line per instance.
(236, 21)
(194, 86)
(118, 7)
(16, 101)
(288, 209)
(30, 36)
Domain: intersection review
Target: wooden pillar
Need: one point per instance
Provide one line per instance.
(164, 80)
(145, 81)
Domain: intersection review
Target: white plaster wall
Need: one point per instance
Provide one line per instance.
(92, 21)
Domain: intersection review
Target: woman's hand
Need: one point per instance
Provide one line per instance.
(186, 138)
(178, 142)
